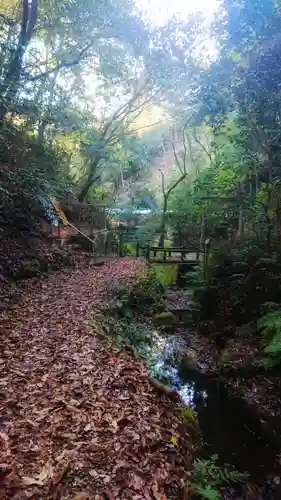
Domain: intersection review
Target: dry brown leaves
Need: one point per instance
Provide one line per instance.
(80, 420)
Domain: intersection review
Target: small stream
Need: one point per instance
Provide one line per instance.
(228, 428)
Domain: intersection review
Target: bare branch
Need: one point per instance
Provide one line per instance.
(8, 20)
(176, 156)
(122, 114)
(147, 126)
(176, 183)
(123, 110)
(191, 154)
(162, 181)
(184, 148)
(70, 64)
(202, 146)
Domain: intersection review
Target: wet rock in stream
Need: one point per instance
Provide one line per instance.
(165, 318)
(180, 303)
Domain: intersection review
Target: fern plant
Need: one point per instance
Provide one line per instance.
(134, 335)
(208, 477)
(195, 278)
(119, 305)
(270, 327)
(208, 493)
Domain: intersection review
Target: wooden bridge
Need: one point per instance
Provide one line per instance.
(173, 255)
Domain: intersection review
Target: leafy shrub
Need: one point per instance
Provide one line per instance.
(208, 477)
(144, 295)
(148, 231)
(166, 273)
(119, 306)
(205, 293)
(27, 169)
(270, 326)
(239, 282)
(131, 334)
(195, 278)
(130, 249)
(147, 292)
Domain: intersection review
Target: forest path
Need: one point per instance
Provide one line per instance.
(79, 419)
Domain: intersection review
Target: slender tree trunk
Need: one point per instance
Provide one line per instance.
(44, 121)
(90, 179)
(163, 222)
(202, 230)
(278, 220)
(269, 202)
(241, 223)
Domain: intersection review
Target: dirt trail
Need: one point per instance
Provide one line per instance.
(79, 419)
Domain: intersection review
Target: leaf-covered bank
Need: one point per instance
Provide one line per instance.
(79, 419)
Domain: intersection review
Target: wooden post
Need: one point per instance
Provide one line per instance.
(202, 230)
(79, 216)
(91, 249)
(138, 249)
(92, 224)
(165, 254)
(106, 244)
(121, 243)
(207, 244)
(147, 252)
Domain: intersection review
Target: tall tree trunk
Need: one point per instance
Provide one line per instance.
(10, 86)
(41, 130)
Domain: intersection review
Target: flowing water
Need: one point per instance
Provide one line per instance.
(228, 428)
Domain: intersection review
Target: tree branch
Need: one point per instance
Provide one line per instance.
(191, 155)
(147, 126)
(176, 183)
(8, 20)
(62, 65)
(184, 148)
(162, 181)
(122, 110)
(176, 156)
(202, 146)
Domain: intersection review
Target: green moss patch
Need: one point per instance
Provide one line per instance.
(166, 273)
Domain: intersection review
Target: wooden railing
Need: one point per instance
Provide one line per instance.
(188, 256)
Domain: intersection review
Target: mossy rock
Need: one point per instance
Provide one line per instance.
(189, 416)
(98, 262)
(189, 360)
(165, 318)
(226, 356)
(245, 331)
(161, 306)
(230, 357)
